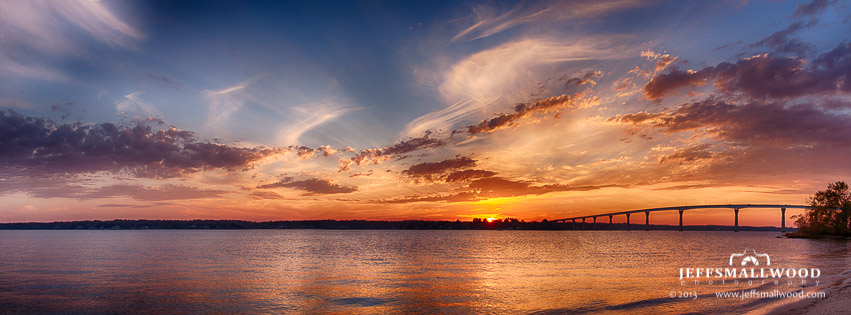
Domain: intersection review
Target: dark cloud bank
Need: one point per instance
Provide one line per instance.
(379, 155)
(317, 186)
(768, 114)
(765, 76)
(479, 184)
(39, 146)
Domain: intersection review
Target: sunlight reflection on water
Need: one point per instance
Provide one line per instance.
(368, 271)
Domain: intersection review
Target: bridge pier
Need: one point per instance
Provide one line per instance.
(574, 225)
(610, 223)
(736, 227)
(627, 221)
(647, 220)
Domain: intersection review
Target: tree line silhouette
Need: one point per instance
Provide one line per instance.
(830, 213)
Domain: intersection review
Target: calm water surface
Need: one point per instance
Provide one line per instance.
(356, 271)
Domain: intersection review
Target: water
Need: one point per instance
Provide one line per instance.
(357, 271)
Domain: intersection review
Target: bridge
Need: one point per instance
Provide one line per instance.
(682, 209)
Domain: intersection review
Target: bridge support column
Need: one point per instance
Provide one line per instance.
(736, 227)
(610, 223)
(583, 223)
(782, 220)
(681, 220)
(647, 220)
(594, 227)
(627, 221)
(573, 224)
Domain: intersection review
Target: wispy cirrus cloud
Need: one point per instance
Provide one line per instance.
(310, 116)
(508, 74)
(447, 117)
(38, 35)
(46, 24)
(133, 103)
(222, 103)
(296, 110)
(488, 20)
(32, 70)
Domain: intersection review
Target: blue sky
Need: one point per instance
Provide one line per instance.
(370, 75)
(361, 59)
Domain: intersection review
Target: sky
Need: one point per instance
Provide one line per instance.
(435, 110)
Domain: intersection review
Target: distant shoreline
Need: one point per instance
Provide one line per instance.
(121, 224)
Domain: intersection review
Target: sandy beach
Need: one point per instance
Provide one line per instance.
(837, 301)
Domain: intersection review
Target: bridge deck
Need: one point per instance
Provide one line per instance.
(728, 206)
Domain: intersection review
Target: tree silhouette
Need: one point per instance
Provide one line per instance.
(830, 212)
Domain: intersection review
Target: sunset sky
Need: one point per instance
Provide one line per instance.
(421, 110)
